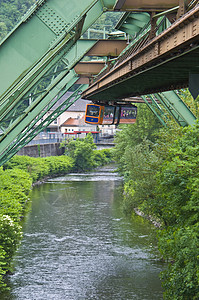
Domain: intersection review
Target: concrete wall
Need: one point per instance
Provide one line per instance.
(42, 150)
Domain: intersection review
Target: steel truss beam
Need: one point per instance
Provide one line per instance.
(32, 111)
(37, 56)
(32, 131)
(176, 107)
(172, 104)
(155, 108)
(56, 25)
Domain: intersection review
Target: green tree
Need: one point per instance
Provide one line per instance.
(161, 178)
(130, 135)
(11, 12)
(81, 150)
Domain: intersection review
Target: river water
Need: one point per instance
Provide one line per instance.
(78, 244)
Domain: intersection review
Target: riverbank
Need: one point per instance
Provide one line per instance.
(16, 180)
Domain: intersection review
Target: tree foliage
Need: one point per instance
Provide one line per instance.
(11, 12)
(161, 178)
(41, 167)
(84, 153)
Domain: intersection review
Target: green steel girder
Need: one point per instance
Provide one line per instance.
(75, 53)
(59, 110)
(132, 23)
(36, 74)
(33, 39)
(31, 61)
(65, 39)
(44, 40)
(155, 108)
(176, 107)
(48, 102)
(33, 110)
(173, 104)
(26, 118)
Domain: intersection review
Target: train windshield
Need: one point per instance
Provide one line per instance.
(93, 110)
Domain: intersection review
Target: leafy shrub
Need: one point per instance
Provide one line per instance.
(99, 158)
(81, 150)
(36, 167)
(39, 168)
(59, 164)
(161, 178)
(15, 186)
(10, 235)
(84, 153)
(2, 268)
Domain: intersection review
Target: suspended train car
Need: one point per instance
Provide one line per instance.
(108, 115)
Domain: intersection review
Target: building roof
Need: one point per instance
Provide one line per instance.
(78, 106)
(73, 122)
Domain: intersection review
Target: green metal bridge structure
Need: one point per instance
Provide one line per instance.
(44, 56)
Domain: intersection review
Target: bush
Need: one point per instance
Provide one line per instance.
(36, 167)
(59, 164)
(15, 186)
(99, 158)
(162, 180)
(85, 155)
(10, 235)
(81, 151)
(39, 168)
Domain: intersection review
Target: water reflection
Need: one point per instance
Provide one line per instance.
(78, 245)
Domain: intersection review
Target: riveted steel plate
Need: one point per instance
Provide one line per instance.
(52, 19)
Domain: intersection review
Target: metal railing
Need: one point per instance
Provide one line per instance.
(58, 137)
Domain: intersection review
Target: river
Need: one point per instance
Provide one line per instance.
(78, 244)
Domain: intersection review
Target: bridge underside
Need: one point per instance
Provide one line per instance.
(170, 75)
(162, 63)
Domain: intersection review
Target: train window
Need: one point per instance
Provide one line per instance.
(128, 114)
(109, 114)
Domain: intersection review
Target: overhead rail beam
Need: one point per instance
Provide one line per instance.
(164, 63)
(144, 5)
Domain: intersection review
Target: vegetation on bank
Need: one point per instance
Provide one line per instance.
(16, 179)
(160, 168)
(84, 153)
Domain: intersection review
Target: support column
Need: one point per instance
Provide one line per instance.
(194, 85)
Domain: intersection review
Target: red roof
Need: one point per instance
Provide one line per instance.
(71, 122)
